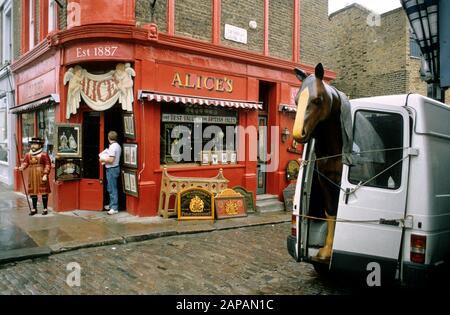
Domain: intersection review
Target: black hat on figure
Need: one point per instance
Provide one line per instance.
(37, 141)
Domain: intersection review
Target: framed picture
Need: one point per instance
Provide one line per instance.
(214, 158)
(230, 204)
(129, 128)
(130, 158)
(195, 204)
(68, 141)
(68, 169)
(224, 157)
(233, 157)
(130, 182)
(205, 157)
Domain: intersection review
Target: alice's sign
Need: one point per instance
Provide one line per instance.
(199, 119)
(199, 82)
(100, 92)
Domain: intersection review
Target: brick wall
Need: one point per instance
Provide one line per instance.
(281, 23)
(143, 13)
(370, 56)
(314, 32)
(194, 19)
(240, 13)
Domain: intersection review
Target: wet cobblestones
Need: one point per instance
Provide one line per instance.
(241, 261)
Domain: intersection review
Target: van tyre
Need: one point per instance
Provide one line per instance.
(321, 269)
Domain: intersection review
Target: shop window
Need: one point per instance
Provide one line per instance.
(3, 131)
(31, 24)
(27, 131)
(378, 139)
(7, 33)
(184, 129)
(46, 129)
(52, 15)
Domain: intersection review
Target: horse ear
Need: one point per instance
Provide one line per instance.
(319, 71)
(300, 74)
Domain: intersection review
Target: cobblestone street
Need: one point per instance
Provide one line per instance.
(237, 261)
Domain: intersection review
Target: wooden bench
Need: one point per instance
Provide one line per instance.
(172, 185)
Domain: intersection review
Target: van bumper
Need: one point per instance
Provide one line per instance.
(414, 275)
(291, 246)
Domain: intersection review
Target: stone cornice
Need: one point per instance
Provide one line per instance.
(145, 37)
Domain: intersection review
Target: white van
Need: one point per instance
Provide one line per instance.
(399, 219)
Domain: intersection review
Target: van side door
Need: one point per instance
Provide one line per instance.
(369, 213)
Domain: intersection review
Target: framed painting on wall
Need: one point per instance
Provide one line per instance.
(68, 140)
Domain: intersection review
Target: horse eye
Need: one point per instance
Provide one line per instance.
(316, 101)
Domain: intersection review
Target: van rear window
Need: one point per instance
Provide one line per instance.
(377, 149)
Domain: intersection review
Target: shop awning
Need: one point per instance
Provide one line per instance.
(287, 108)
(160, 97)
(50, 100)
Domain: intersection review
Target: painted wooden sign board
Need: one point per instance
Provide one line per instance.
(230, 204)
(248, 196)
(195, 204)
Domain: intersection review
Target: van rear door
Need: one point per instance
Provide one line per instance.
(378, 181)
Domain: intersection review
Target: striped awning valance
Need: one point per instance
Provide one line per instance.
(161, 97)
(287, 108)
(52, 99)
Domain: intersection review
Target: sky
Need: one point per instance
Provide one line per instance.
(378, 6)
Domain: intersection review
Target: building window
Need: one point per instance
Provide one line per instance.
(7, 33)
(3, 131)
(46, 129)
(374, 134)
(52, 15)
(180, 125)
(414, 48)
(27, 131)
(31, 23)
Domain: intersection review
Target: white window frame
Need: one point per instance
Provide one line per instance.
(4, 111)
(52, 14)
(7, 32)
(31, 24)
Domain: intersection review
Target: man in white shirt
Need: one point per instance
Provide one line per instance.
(112, 171)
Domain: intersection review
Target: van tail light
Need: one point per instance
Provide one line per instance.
(418, 248)
(294, 226)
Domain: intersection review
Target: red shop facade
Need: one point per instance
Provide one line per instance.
(174, 80)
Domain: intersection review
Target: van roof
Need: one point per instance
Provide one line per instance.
(400, 100)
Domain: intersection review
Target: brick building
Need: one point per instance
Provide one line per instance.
(87, 67)
(374, 54)
(8, 15)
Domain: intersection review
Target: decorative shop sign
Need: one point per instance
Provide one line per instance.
(195, 81)
(230, 204)
(235, 34)
(100, 92)
(248, 196)
(292, 170)
(68, 169)
(195, 204)
(199, 119)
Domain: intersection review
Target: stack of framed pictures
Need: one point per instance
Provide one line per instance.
(130, 157)
(129, 172)
(68, 151)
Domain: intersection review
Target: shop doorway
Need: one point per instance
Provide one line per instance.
(263, 115)
(113, 121)
(93, 185)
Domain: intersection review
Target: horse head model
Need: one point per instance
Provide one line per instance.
(323, 113)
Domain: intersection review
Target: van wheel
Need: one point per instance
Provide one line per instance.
(321, 269)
